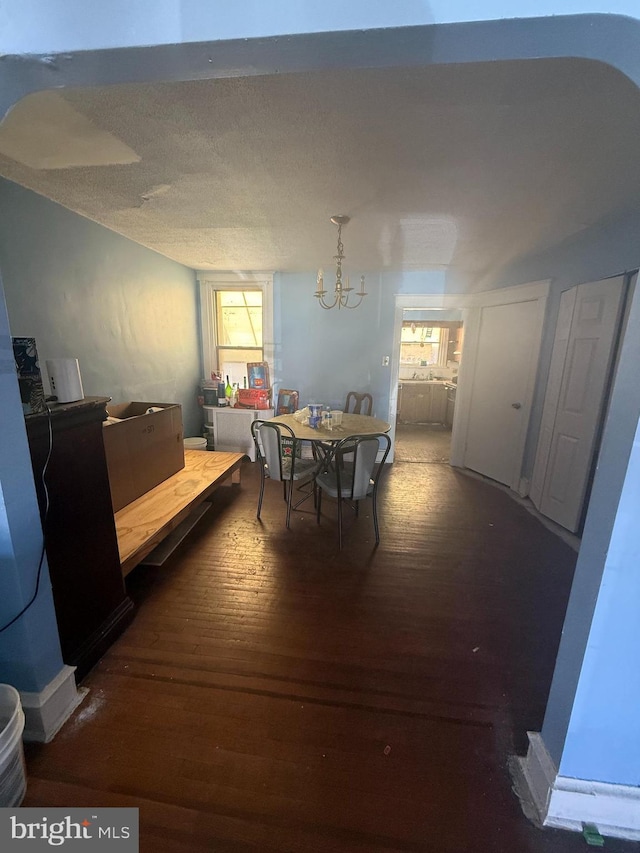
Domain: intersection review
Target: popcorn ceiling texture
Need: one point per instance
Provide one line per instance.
(462, 166)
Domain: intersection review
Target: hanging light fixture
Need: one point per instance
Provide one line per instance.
(342, 291)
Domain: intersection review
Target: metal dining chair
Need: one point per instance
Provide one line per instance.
(355, 402)
(353, 405)
(277, 453)
(356, 479)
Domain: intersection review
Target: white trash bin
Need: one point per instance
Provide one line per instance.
(195, 443)
(13, 775)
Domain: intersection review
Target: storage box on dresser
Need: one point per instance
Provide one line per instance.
(142, 450)
(90, 600)
(231, 427)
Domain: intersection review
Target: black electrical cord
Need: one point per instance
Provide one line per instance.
(44, 520)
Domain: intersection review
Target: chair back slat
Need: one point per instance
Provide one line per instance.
(355, 402)
(356, 478)
(365, 452)
(269, 445)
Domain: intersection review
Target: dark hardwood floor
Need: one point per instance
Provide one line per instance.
(274, 694)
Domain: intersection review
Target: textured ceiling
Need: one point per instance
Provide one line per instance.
(465, 166)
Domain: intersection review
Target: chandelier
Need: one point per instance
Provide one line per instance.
(342, 292)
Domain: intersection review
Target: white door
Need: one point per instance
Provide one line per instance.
(580, 367)
(505, 363)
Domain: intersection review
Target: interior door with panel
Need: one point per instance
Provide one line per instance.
(505, 358)
(588, 325)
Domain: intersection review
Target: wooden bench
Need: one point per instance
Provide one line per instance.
(144, 523)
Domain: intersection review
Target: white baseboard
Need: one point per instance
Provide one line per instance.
(537, 775)
(566, 803)
(45, 712)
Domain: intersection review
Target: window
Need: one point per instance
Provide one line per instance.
(237, 321)
(423, 344)
(430, 343)
(238, 316)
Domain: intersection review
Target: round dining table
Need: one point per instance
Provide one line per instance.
(351, 425)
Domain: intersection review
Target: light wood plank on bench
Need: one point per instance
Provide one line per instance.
(142, 524)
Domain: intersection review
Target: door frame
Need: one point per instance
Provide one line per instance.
(471, 305)
(427, 302)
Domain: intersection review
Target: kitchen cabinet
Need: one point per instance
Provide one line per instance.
(422, 403)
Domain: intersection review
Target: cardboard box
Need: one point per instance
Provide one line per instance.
(253, 398)
(142, 449)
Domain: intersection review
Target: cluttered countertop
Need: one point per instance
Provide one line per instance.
(423, 381)
(429, 379)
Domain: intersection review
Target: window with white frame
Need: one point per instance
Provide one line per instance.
(237, 322)
(429, 343)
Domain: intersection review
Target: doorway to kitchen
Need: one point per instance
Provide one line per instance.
(430, 350)
(423, 443)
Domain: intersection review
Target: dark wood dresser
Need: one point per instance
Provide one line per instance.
(91, 603)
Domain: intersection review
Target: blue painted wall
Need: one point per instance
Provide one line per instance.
(126, 313)
(603, 740)
(324, 354)
(30, 654)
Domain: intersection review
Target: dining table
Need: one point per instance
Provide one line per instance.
(351, 425)
(324, 439)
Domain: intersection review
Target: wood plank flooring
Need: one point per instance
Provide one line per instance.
(275, 694)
